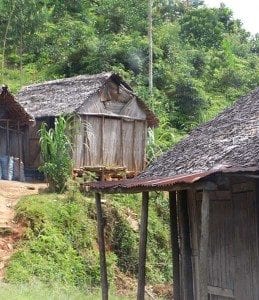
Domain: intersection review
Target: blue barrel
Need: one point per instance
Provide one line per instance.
(7, 167)
(10, 168)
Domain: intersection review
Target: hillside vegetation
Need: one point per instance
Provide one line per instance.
(203, 58)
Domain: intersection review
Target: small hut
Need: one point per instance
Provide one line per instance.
(110, 120)
(14, 122)
(212, 177)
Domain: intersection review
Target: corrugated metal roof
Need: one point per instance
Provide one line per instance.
(165, 183)
(130, 185)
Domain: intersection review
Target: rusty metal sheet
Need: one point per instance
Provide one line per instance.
(129, 185)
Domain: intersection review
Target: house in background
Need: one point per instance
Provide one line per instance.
(111, 122)
(212, 177)
(14, 123)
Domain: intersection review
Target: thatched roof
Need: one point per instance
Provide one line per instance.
(14, 110)
(231, 140)
(65, 96)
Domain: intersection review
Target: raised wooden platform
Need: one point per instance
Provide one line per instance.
(104, 173)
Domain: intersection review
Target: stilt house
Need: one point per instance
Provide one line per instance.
(213, 181)
(110, 120)
(14, 122)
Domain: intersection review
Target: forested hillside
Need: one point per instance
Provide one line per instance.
(203, 58)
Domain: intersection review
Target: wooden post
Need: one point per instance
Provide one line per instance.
(133, 147)
(192, 205)
(142, 247)
(186, 280)
(204, 244)
(101, 242)
(121, 142)
(19, 149)
(175, 245)
(102, 142)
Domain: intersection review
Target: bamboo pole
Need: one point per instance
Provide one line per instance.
(175, 245)
(101, 242)
(143, 247)
(150, 38)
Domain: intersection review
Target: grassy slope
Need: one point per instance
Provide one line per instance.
(60, 245)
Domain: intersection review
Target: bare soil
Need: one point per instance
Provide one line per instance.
(10, 231)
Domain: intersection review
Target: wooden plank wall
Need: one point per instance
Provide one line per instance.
(11, 139)
(233, 242)
(110, 142)
(2, 141)
(32, 147)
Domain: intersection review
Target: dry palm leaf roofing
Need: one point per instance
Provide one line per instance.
(14, 109)
(231, 140)
(65, 96)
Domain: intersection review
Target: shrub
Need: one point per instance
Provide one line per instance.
(56, 153)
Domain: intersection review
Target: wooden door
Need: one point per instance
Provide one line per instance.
(221, 255)
(246, 277)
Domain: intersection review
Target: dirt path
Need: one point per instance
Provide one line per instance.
(10, 232)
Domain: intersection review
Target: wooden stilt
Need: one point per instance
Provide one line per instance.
(204, 244)
(175, 245)
(142, 247)
(19, 149)
(104, 280)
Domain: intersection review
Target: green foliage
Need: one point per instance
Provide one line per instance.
(124, 243)
(124, 235)
(56, 153)
(60, 242)
(203, 58)
(205, 26)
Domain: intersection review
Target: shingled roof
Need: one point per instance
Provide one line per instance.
(231, 140)
(64, 96)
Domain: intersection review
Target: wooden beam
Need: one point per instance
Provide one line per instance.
(222, 292)
(142, 247)
(204, 245)
(101, 242)
(175, 245)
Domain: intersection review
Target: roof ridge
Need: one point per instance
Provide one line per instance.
(67, 79)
